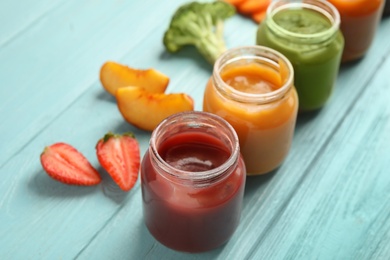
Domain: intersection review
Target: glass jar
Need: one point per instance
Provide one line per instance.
(386, 9)
(307, 33)
(252, 88)
(359, 22)
(192, 180)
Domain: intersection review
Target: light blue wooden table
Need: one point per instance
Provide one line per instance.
(329, 200)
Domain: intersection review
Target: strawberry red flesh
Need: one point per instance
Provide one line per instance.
(64, 163)
(119, 155)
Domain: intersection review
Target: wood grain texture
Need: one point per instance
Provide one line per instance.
(329, 200)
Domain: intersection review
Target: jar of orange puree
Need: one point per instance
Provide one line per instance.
(252, 88)
(359, 22)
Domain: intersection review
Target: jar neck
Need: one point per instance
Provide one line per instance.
(259, 55)
(323, 8)
(194, 122)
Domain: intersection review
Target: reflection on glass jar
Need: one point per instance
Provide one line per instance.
(307, 33)
(252, 88)
(359, 22)
(192, 180)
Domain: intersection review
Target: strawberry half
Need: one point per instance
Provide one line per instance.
(119, 155)
(64, 163)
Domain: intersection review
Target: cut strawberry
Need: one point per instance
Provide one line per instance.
(64, 163)
(119, 155)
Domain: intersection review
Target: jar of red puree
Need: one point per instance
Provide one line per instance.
(192, 180)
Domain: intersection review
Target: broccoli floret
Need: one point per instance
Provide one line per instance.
(201, 25)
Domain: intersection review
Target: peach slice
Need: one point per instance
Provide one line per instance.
(114, 76)
(146, 110)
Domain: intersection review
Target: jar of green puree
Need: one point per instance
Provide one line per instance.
(308, 34)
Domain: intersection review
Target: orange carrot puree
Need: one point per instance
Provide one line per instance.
(264, 129)
(252, 78)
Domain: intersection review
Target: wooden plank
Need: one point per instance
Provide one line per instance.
(37, 87)
(82, 41)
(40, 213)
(17, 16)
(341, 209)
(312, 133)
(267, 197)
(55, 221)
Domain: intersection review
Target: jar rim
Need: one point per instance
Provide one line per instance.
(249, 52)
(196, 120)
(332, 14)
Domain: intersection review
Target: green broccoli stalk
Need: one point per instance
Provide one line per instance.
(201, 25)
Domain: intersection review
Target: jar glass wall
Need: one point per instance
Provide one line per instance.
(252, 88)
(359, 22)
(386, 9)
(307, 33)
(192, 180)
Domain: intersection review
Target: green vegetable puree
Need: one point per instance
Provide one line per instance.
(315, 59)
(302, 21)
